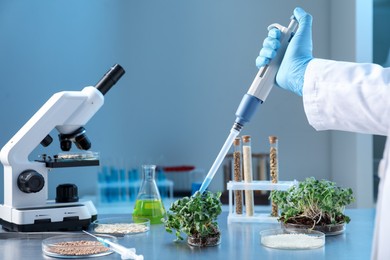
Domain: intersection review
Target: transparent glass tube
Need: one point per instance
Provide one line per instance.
(247, 169)
(273, 159)
(237, 175)
(274, 168)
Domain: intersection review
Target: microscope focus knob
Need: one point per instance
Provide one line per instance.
(30, 181)
(67, 192)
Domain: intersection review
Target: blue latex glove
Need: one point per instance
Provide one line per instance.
(298, 54)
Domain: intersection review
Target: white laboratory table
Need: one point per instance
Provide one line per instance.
(239, 241)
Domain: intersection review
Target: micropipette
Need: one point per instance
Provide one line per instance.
(256, 95)
(126, 253)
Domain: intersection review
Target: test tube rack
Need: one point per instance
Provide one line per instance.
(254, 185)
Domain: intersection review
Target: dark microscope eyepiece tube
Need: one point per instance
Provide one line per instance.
(110, 78)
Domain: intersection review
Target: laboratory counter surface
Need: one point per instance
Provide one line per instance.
(239, 241)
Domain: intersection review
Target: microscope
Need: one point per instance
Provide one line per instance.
(26, 206)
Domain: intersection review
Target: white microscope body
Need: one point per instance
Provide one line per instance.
(26, 206)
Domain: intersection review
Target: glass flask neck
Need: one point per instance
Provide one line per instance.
(148, 188)
(148, 172)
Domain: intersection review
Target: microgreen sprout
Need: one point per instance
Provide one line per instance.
(194, 216)
(319, 201)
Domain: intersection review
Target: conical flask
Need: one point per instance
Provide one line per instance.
(149, 204)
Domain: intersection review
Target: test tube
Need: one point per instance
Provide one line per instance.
(237, 173)
(274, 168)
(247, 167)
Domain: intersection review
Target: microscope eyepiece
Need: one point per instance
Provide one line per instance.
(78, 136)
(110, 78)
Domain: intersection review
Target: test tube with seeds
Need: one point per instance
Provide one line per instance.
(237, 174)
(274, 168)
(247, 167)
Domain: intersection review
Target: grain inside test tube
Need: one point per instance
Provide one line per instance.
(237, 174)
(247, 167)
(274, 168)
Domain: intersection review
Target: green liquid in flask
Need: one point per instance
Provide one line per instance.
(151, 209)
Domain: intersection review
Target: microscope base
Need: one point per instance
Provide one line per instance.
(52, 217)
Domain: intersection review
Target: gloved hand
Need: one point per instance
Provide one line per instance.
(298, 54)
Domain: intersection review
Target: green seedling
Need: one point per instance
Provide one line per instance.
(194, 216)
(318, 201)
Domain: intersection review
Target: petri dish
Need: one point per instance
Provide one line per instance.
(120, 226)
(297, 239)
(76, 246)
(328, 230)
(86, 155)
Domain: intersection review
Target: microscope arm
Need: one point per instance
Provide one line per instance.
(66, 111)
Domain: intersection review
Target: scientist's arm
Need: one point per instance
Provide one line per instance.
(337, 95)
(347, 96)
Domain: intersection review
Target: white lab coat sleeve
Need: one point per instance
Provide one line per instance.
(380, 246)
(347, 96)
